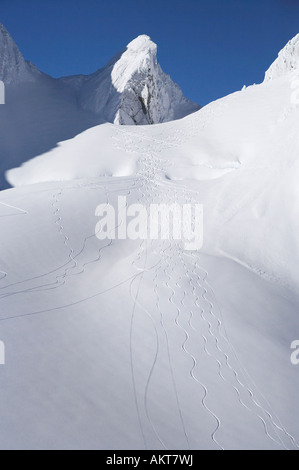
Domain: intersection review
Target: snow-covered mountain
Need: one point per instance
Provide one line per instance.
(229, 139)
(131, 89)
(286, 62)
(138, 344)
(13, 67)
(135, 88)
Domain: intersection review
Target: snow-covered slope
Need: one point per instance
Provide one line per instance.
(137, 343)
(246, 140)
(121, 344)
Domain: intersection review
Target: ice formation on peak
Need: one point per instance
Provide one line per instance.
(147, 94)
(141, 42)
(140, 55)
(132, 89)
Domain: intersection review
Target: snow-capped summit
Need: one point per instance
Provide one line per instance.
(133, 89)
(13, 66)
(142, 42)
(286, 62)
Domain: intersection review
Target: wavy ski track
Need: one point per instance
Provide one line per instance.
(187, 337)
(162, 253)
(147, 172)
(189, 196)
(221, 368)
(142, 198)
(22, 212)
(269, 415)
(151, 172)
(214, 334)
(281, 443)
(60, 280)
(220, 324)
(176, 249)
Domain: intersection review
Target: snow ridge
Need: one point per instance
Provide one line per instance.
(13, 67)
(286, 62)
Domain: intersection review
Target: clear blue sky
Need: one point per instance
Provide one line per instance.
(209, 47)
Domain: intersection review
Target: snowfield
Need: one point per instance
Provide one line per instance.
(138, 344)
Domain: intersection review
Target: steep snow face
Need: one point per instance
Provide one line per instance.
(149, 96)
(286, 62)
(13, 67)
(133, 89)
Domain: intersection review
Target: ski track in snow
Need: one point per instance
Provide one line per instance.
(147, 174)
(243, 371)
(180, 308)
(71, 257)
(21, 212)
(151, 178)
(276, 427)
(174, 247)
(216, 336)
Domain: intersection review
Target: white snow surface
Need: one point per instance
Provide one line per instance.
(286, 62)
(131, 344)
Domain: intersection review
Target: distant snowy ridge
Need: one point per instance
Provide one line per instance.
(130, 89)
(286, 62)
(13, 67)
